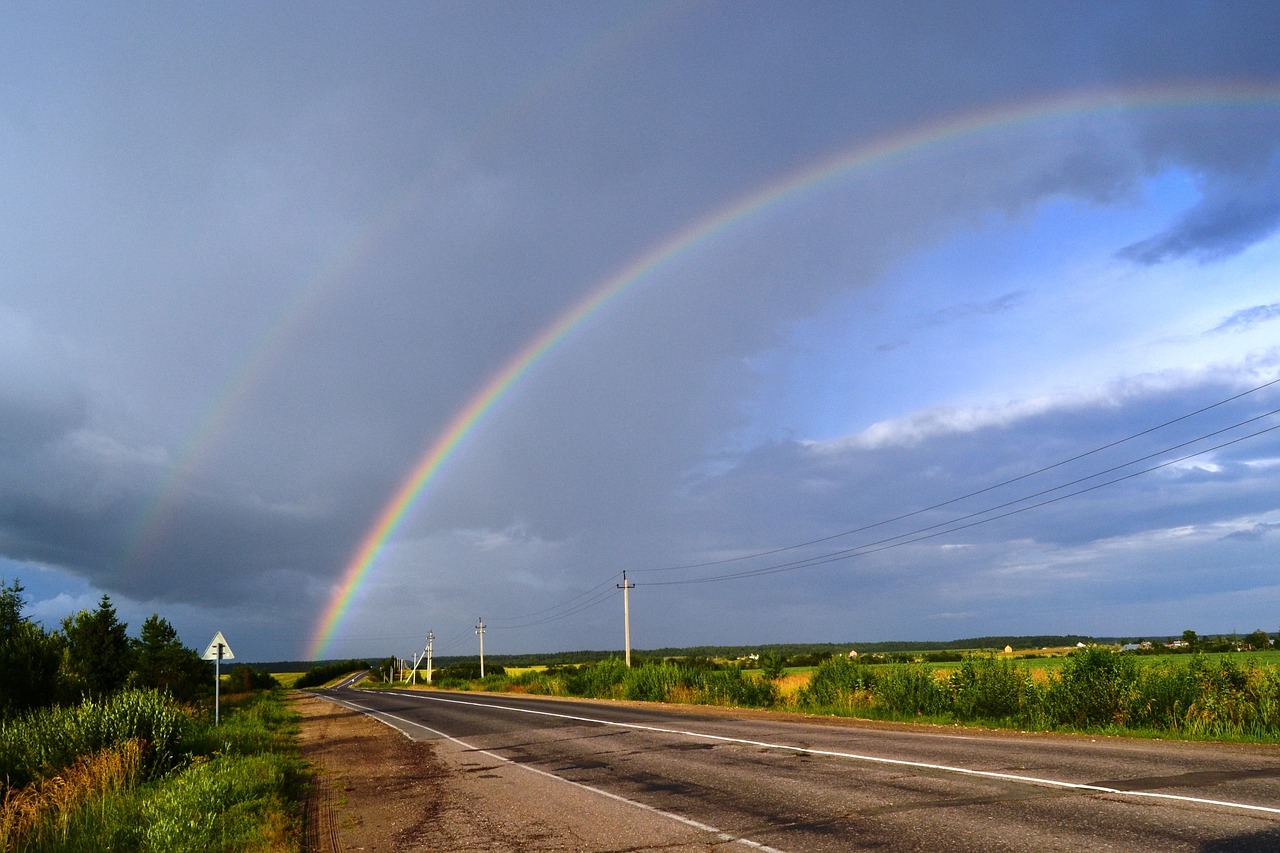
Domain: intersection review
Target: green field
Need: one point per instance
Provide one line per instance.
(287, 679)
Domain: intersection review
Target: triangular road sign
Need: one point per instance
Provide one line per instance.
(217, 642)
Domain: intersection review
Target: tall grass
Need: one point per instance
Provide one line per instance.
(603, 680)
(45, 811)
(1093, 689)
(1209, 698)
(989, 688)
(44, 741)
(219, 789)
(840, 685)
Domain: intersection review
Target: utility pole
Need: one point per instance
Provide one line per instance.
(626, 612)
(417, 659)
(480, 631)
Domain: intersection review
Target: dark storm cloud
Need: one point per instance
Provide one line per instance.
(272, 252)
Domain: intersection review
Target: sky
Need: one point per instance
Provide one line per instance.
(327, 325)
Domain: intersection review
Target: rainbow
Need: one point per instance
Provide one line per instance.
(840, 166)
(148, 528)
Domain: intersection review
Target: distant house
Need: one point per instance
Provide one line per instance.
(853, 653)
(1008, 650)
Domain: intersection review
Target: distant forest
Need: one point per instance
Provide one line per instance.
(789, 650)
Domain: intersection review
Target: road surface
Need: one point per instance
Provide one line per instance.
(767, 782)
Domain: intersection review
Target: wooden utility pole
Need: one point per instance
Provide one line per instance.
(626, 613)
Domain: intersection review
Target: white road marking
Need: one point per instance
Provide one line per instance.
(690, 822)
(853, 756)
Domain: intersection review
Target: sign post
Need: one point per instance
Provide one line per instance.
(217, 652)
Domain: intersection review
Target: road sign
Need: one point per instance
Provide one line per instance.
(218, 642)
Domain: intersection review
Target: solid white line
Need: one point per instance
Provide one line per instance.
(875, 759)
(690, 822)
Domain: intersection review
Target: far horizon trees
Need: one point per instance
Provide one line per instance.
(1259, 639)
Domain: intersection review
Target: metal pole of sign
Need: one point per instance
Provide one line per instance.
(218, 649)
(217, 687)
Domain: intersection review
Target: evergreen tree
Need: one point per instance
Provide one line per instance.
(29, 657)
(162, 662)
(99, 654)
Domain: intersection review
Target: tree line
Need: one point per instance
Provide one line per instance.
(92, 655)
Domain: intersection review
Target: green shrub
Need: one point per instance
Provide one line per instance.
(773, 665)
(838, 682)
(601, 680)
(732, 687)
(233, 801)
(1097, 687)
(986, 687)
(655, 682)
(908, 689)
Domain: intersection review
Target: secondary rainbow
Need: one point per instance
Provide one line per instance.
(149, 526)
(840, 166)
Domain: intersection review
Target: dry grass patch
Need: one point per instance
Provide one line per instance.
(42, 811)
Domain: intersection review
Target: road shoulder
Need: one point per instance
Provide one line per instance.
(376, 790)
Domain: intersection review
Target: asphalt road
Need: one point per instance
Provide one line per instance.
(805, 785)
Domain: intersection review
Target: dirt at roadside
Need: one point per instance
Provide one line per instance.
(372, 789)
(376, 790)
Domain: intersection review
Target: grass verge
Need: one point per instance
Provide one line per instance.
(225, 788)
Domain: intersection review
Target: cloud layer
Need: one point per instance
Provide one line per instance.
(258, 259)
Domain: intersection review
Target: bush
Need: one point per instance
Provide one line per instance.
(537, 683)
(732, 687)
(773, 665)
(911, 690)
(1210, 698)
(245, 679)
(654, 683)
(838, 682)
(601, 680)
(1097, 687)
(986, 687)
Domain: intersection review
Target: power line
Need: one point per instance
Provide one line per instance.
(963, 497)
(595, 601)
(570, 601)
(893, 541)
(599, 593)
